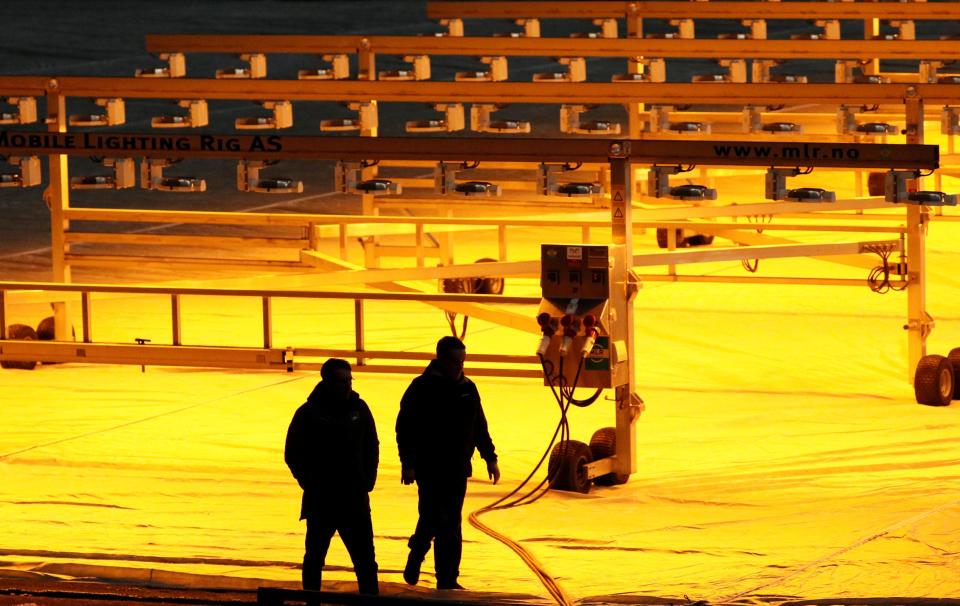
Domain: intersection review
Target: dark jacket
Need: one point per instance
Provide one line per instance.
(333, 451)
(440, 424)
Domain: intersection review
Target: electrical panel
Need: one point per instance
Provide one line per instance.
(575, 317)
(581, 272)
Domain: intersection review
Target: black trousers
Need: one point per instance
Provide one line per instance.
(350, 518)
(440, 507)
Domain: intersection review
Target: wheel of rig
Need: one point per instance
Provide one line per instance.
(663, 235)
(933, 381)
(46, 332)
(876, 184)
(603, 444)
(954, 357)
(24, 332)
(699, 240)
(488, 286)
(567, 466)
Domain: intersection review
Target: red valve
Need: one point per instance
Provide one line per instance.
(566, 320)
(547, 324)
(589, 321)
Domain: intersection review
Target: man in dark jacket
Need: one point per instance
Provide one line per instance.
(440, 424)
(333, 452)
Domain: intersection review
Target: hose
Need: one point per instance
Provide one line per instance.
(564, 396)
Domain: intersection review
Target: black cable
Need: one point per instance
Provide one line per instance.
(586, 401)
(452, 321)
(754, 265)
(563, 394)
(562, 429)
(879, 278)
(555, 382)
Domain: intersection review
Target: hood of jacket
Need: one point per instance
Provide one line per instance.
(321, 395)
(434, 372)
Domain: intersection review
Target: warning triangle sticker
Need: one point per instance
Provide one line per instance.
(618, 214)
(618, 196)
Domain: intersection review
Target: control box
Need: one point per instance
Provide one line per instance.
(574, 272)
(574, 315)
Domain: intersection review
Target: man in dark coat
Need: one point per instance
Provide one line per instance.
(333, 452)
(440, 424)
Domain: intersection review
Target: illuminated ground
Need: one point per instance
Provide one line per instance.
(782, 454)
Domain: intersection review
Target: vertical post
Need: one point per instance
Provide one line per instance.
(621, 302)
(871, 28)
(419, 239)
(358, 331)
(57, 197)
(502, 241)
(85, 323)
(634, 30)
(343, 241)
(371, 254)
(267, 323)
(445, 240)
(366, 62)
(3, 314)
(672, 245)
(58, 193)
(175, 318)
(919, 322)
(367, 70)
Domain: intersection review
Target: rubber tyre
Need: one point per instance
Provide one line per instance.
(954, 357)
(603, 444)
(699, 240)
(488, 286)
(566, 468)
(456, 286)
(46, 332)
(23, 332)
(933, 381)
(663, 234)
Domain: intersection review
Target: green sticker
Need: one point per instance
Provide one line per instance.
(599, 358)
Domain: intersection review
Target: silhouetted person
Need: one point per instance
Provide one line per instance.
(333, 452)
(440, 424)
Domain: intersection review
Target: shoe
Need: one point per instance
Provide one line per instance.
(368, 585)
(368, 590)
(453, 585)
(411, 572)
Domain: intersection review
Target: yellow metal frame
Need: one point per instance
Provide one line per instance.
(265, 356)
(716, 9)
(618, 154)
(947, 50)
